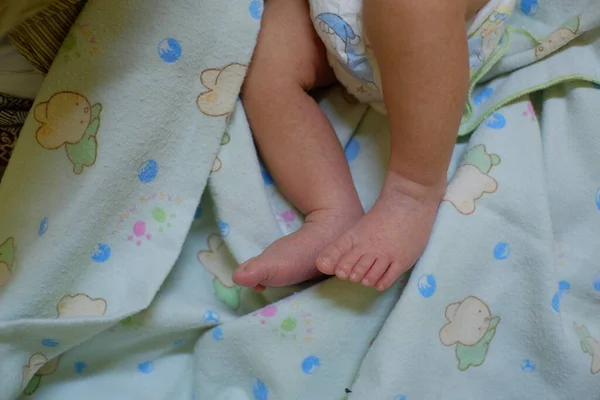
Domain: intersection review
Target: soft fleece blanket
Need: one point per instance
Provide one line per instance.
(116, 279)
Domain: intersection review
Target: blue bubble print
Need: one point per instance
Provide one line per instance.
(596, 284)
(217, 334)
(101, 253)
(256, 9)
(223, 228)
(352, 149)
(148, 171)
(528, 366)
(501, 251)
(169, 50)
(400, 397)
(211, 317)
(80, 367)
(427, 285)
(310, 364)
(43, 227)
(529, 7)
(146, 367)
(496, 121)
(48, 342)
(483, 95)
(259, 390)
(178, 342)
(563, 287)
(598, 198)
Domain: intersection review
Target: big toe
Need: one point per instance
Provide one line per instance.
(331, 255)
(249, 274)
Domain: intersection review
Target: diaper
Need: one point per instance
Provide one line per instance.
(339, 25)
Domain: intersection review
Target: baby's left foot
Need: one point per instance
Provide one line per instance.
(389, 239)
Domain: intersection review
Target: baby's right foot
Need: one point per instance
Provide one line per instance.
(291, 259)
(389, 239)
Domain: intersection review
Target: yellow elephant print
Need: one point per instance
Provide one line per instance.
(68, 119)
(472, 179)
(80, 305)
(217, 164)
(223, 89)
(219, 262)
(38, 367)
(559, 38)
(590, 346)
(470, 327)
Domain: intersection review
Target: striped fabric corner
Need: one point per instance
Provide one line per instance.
(40, 37)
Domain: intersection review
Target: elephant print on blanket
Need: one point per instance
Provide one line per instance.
(471, 327)
(80, 305)
(218, 163)
(219, 262)
(590, 346)
(559, 38)
(37, 367)
(68, 119)
(223, 89)
(472, 179)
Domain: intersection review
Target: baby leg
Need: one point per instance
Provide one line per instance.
(422, 53)
(297, 144)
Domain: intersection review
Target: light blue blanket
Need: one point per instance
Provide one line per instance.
(115, 280)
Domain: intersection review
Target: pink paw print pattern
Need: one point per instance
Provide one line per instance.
(267, 312)
(139, 233)
(297, 325)
(287, 217)
(530, 112)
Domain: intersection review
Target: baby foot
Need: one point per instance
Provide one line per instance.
(291, 259)
(388, 240)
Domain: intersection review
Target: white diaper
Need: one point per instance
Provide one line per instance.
(339, 25)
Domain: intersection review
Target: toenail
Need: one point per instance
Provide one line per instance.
(326, 261)
(366, 281)
(353, 276)
(341, 274)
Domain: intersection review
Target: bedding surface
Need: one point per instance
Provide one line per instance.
(135, 190)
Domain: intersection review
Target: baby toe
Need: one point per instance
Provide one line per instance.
(361, 267)
(251, 274)
(347, 263)
(330, 257)
(374, 274)
(389, 277)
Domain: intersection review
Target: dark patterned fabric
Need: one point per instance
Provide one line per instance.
(13, 112)
(40, 37)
